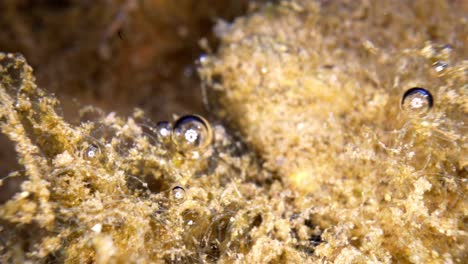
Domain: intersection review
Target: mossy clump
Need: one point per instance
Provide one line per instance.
(316, 88)
(112, 190)
(344, 141)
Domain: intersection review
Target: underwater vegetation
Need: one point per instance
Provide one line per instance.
(113, 189)
(336, 133)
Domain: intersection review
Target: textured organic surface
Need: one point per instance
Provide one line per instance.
(316, 89)
(324, 154)
(109, 190)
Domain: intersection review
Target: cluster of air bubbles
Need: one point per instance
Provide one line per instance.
(417, 101)
(189, 134)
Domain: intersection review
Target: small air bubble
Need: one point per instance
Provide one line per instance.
(203, 59)
(417, 101)
(439, 66)
(447, 48)
(190, 217)
(192, 133)
(97, 228)
(178, 193)
(92, 152)
(164, 131)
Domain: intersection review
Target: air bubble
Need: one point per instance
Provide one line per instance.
(178, 193)
(440, 66)
(417, 101)
(192, 133)
(164, 131)
(203, 59)
(92, 152)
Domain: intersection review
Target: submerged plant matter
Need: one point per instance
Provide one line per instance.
(110, 189)
(351, 148)
(322, 90)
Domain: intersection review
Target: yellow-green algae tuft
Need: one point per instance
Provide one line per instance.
(315, 87)
(315, 90)
(102, 191)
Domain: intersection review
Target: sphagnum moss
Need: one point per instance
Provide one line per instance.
(112, 190)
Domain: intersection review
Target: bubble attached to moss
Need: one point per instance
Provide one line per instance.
(164, 131)
(192, 133)
(440, 66)
(178, 193)
(92, 152)
(417, 101)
